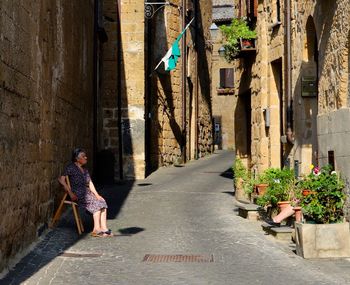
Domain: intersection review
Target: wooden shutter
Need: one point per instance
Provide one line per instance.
(255, 8)
(226, 78)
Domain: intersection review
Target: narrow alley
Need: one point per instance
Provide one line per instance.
(185, 210)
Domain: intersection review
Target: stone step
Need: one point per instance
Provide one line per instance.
(281, 233)
(249, 211)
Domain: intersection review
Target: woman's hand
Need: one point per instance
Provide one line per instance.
(73, 197)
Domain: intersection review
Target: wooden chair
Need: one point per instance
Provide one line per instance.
(75, 209)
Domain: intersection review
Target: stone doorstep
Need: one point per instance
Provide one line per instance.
(281, 233)
(249, 211)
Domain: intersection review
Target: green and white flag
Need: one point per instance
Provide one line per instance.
(173, 54)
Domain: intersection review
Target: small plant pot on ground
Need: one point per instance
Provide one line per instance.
(240, 193)
(298, 214)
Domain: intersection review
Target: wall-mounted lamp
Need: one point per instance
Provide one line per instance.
(266, 112)
(221, 52)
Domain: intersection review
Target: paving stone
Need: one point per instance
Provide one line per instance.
(183, 210)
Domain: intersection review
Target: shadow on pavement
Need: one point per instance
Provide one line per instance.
(64, 235)
(131, 230)
(227, 173)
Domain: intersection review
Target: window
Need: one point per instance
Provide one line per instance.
(252, 8)
(226, 78)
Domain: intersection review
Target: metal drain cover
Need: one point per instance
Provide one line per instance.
(178, 258)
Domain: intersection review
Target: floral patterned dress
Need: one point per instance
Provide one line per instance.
(79, 182)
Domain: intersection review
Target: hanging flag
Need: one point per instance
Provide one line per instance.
(173, 54)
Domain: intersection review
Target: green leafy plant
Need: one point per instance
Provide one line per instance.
(232, 34)
(281, 186)
(242, 177)
(326, 203)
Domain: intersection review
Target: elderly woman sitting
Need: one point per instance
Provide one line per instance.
(83, 191)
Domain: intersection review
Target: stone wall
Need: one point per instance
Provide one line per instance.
(204, 121)
(165, 98)
(108, 144)
(133, 87)
(122, 103)
(46, 51)
(320, 50)
(333, 119)
(266, 88)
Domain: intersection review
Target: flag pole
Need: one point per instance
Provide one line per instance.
(178, 38)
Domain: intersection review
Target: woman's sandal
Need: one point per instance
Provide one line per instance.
(97, 234)
(108, 233)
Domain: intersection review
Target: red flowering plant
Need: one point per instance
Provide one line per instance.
(326, 202)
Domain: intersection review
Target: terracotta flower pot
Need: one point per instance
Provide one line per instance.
(260, 189)
(298, 214)
(283, 204)
(307, 192)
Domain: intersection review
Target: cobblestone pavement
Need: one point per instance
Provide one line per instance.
(177, 210)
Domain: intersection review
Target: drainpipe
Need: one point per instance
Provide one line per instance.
(289, 125)
(184, 77)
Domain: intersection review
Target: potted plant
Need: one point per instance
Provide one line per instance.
(281, 186)
(247, 44)
(325, 201)
(233, 34)
(324, 234)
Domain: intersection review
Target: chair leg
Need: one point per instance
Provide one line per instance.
(58, 213)
(80, 221)
(76, 217)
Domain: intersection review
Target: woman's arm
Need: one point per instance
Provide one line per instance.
(93, 190)
(62, 180)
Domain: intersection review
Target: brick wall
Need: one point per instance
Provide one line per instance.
(45, 109)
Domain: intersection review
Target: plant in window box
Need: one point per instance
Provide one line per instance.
(233, 34)
(247, 44)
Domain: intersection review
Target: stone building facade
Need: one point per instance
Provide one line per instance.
(224, 94)
(122, 102)
(300, 86)
(46, 109)
(76, 74)
(180, 117)
(231, 83)
(150, 119)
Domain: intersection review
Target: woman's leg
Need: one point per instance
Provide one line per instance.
(103, 219)
(287, 212)
(97, 221)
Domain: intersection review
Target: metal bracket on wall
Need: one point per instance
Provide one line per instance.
(153, 7)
